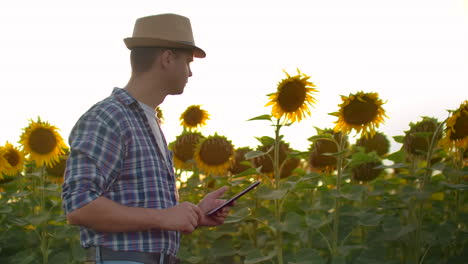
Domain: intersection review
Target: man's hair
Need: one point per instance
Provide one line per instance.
(141, 59)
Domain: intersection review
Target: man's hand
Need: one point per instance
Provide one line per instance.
(209, 202)
(184, 217)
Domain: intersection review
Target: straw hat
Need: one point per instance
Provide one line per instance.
(165, 30)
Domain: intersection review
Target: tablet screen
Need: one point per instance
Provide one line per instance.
(228, 202)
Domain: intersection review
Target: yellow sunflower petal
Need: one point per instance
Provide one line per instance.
(292, 98)
(42, 142)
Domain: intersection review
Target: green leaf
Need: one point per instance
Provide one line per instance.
(247, 172)
(5, 209)
(353, 192)
(359, 158)
(261, 117)
(271, 194)
(223, 248)
(298, 154)
(254, 154)
(393, 166)
(336, 154)
(397, 157)
(369, 219)
(397, 232)
(459, 187)
(266, 140)
(257, 257)
(37, 220)
(307, 256)
(399, 139)
(238, 215)
(194, 259)
(293, 223)
(345, 250)
(316, 221)
(337, 259)
(59, 258)
(324, 136)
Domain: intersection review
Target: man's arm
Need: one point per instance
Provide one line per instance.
(105, 215)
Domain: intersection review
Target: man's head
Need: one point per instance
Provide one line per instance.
(164, 31)
(162, 47)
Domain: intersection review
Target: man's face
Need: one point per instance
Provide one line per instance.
(179, 70)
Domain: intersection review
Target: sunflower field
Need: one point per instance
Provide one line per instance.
(333, 202)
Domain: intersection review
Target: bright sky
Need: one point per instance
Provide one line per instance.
(58, 58)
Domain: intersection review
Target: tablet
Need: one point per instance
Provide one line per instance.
(228, 202)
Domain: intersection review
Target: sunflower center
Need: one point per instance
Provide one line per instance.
(42, 141)
(323, 146)
(359, 112)
(193, 117)
(460, 127)
(215, 153)
(292, 96)
(367, 171)
(185, 147)
(12, 157)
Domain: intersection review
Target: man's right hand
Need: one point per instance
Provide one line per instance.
(184, 217)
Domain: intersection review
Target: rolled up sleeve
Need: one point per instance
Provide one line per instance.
(94, 162)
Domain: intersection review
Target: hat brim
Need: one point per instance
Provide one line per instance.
(152, 42)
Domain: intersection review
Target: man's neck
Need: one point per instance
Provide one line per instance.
(146, 91)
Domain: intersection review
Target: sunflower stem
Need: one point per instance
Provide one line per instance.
(279, 235)
(426, 179)
(44, 240)
(336, 217)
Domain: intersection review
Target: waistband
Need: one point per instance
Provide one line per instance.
(94, 254)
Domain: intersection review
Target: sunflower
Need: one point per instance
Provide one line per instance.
(56, 172)
(194, 117)
(184, 148)
(418, 137)
(293, 98)
(214, 154)
(364, 166)
(367, 171)
(288, 167)
(159, 114)
(362, 112)
(3, 162)
(320, 162)
(239, 156)
(14, 160)
(266, 161)
(378, 143)
(42, 142)
(456, 133)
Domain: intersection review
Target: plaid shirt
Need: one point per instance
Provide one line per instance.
(114, 154)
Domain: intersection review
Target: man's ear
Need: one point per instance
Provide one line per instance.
(165, 59)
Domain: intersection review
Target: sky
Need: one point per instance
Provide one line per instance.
(58, 58)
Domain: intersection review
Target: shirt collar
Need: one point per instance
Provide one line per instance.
(123, 96)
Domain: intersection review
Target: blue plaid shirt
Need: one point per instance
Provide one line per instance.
(114, 154)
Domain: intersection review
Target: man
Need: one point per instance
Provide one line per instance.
(119, 182)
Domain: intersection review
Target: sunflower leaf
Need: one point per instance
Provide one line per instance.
(336, 153)
(247, 172)
(261, 117)
(257, 257)
(271, 194)
(298, 154)
(399, 139)
(254, 154)
(265, 140)
(325, 136)
(459, 187)
(397, 157)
